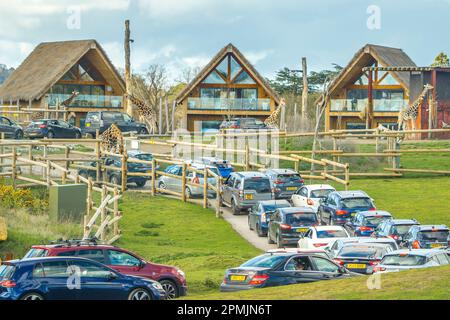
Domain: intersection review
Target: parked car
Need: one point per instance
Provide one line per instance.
(51, 129)
(259, 215)
(310, 195)
(243, 123)
(49, 278)
(242, 190)
(412, 259)
(321, 236)
(285, 182)
(102, 120)
(340, 206)
(335, 245)
(364, 223)
(171, 278)
(115, 176)
(224, 166)
(362, 257)
(316, 251)
(426, 237)
(287, 225)
(282, 268)
(394, 228)
(10, 128)
(175, 184)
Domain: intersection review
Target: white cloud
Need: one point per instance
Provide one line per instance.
(13, 53)
(256, 56)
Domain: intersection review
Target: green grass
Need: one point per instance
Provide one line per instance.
(425, 284)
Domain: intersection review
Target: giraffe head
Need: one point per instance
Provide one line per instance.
(428, 87)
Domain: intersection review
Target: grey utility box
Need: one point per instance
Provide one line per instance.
(67, 203)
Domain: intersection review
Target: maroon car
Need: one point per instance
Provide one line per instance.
(171, 278)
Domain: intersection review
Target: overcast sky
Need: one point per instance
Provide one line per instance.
(271, 33)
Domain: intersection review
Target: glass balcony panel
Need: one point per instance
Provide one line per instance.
(228, 104)
(86, 101)
(357, 105)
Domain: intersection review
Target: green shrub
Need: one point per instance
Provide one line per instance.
(11, 198)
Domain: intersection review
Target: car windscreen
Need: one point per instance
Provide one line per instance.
(272, 207)
(93, 117)
(400, 229)
(403, 260)
(144, 156)
(284, 178)
(265, 261)
(260, 185)
(322, 194)
(351, 203)
(440, 235)
(331, 234)
(300, 219)
(6, 271)
(374, 220)
(36, 253)
(361, 251)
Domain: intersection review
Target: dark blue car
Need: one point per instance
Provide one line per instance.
(364, 223)
(341, 206)
(66, 278)
(259, 214)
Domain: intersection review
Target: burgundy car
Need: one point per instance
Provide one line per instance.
(171, 278)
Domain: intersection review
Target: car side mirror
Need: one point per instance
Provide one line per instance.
(112, 276)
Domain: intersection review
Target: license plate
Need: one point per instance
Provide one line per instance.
(356, 266)
(248, 197)
(291, 188)
(302, 230)
(238, 278)
(88, 124)
(436, 245)
(353, 214)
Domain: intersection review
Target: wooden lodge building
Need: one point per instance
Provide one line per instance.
(228, 86)
(379, 81)
(54, 70)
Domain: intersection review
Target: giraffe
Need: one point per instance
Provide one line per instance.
(112, 140)
(146, 112)
(412, 111)
(272, 120)
(64, 104)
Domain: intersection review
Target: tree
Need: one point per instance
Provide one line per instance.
(441, 60)
(188, 74)
(5, 72)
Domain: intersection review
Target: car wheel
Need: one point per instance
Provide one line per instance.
(259, 231)
(143, 131)
(19, 135)
(171, 289)
(234, 208)
(249, 224)
(162, 185)
(50, 135)
(188, 193)
(141, 184)
(114, 180)
(269, 239)
(139, 294)
(32, 296)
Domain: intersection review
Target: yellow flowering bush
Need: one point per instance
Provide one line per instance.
(11, 198)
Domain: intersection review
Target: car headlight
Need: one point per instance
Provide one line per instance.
(181, 273)
(157, 286)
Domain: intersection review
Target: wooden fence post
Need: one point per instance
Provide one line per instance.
(45, 154)
(14, 167)
(183, 183)
(347, 176)
(153, 182)
(205, 187)
(49, 169)
(103, 212)
(2, 148)
(218, 196)
(98, 156)
(124, 170)
(247, 155)
(116, 211)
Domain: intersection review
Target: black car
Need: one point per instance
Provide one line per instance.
(10, 128)
(282, 268)
(102, 120)
(51, 128)
(287, 225)
(286, 182)
(243, 123)
(362, 257)
(115, 176)
(395, 229)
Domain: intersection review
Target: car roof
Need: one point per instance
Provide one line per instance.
(26, 261)
(318, 187)
(318, 228)
(296, 209)
(352, 194)
(430, 227)
(214, 159)
(417, 252)
(367, 239)
(375, 213)
(273, 202)
(376, 245)
(136, 152)
(294, 250)
(251, 174)
(281, 171)
(403, 221)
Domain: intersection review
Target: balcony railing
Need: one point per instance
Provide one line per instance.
(357, 105)
(228, 104)
(87, 101)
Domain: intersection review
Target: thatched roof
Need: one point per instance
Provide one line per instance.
(385, 56)
(216, 60)
(48, 63)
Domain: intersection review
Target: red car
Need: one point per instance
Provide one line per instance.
(171, 278)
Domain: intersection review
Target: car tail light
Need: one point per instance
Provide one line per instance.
(378, 269)
(319, 244)
(416, 244)
(339, 261)
(278, 181)
(341, 212)
(42, 126)
(309, 202)
(301, 181)
(393, 236)
(363, 228)
(372, 209)
(234, 126)
(374, 263)
(284, 226)
(258, 279)
(8, 284)
(196, 180)
(241, 194)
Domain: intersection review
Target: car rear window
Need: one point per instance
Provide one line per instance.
(275, 206)
(351, 203)
(36, 253)
(403, 260)
(265, 261)
(439, 235)
(299, 219)
(93, 117)
(289, 178)
(401, 229)
(112, 116)
(374, 220)
(331, 234)
(6, 271)
(260, 185)
(321, 193)
(361, 251)
(144, 156)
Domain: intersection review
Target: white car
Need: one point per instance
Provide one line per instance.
(412, 259)
(321, 236)
(310, 195)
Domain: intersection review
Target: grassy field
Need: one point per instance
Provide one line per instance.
(425, 284)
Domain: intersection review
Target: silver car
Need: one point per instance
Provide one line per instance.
(412, 259)
(242, 190)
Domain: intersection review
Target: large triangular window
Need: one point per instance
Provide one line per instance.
(214, 78)
(229, 70)
(244, 78)
(362, 81)
(387, 79)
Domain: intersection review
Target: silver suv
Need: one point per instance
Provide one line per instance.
(242, 190)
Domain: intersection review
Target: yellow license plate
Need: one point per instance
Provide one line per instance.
(238, 278)
(248, 197)
(302, 230)
(356, 266)
(291, 188)
(436, 245)
(88, 124)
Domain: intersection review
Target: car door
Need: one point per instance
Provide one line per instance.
(54, 126)
(66, 130)
(120, 122)
(253, 216)
(129, 123)
(273, 224)
(6, 127)
(305, 275)
(326, 270)
(54, 275)
(227, 189)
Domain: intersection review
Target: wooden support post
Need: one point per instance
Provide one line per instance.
(103, 212)
(183, 182)
(14, 167)
(174, 105)
(98, 156)
(153, 177)
(160, 116)
(2, 148)
(124, 170)
(297, 166)
(218, 196)
(347, 176)
(116, 230)
(127, 50)
(67, 163)
(305, 89)
(205, 187)
(247, 155)
(45, 154)
(30, 157)
(334, 149)
(49, 169)
(377, 139)
(167, 116)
